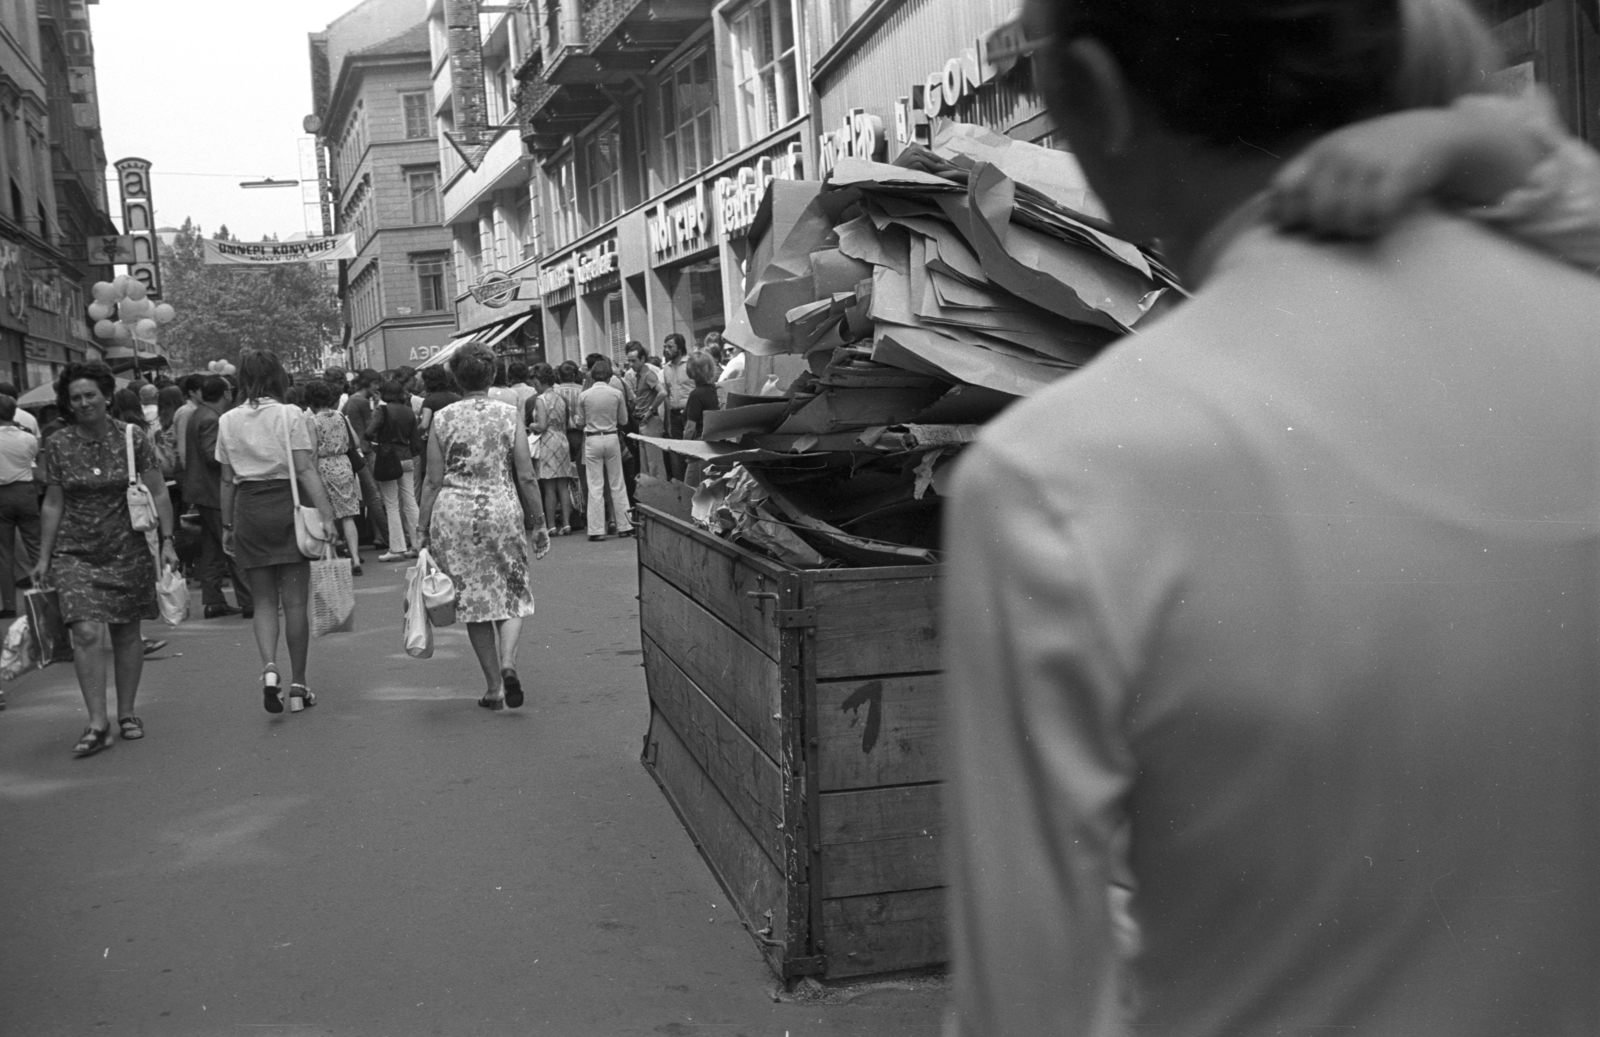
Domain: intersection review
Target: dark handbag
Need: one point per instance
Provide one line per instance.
(358, 460)
(386, 455)
(45, 625)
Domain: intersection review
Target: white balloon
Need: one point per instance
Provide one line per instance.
(145, 329)
(131, 310)
(165, 314)
(99, 311)
(121, 333)
(121, 284)
(105, 329)
(136, 289)
(104, 292)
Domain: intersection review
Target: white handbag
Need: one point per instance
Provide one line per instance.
(310, 535)
(438, 591)
(141, 504)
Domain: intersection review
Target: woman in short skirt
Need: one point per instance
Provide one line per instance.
(258, 515)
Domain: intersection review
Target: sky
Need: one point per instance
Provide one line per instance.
(210, 87)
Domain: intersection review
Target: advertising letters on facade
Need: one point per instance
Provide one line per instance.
(739, 195)
(682, 227)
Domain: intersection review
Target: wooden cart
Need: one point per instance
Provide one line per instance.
(793, 726)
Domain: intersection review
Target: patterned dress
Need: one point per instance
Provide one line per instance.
(552, 459)
(475, 533)
(333, 443)
(101, 568)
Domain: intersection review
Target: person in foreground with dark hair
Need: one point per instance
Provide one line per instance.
(89, 551)
(202, 487)
(262, 444)
(1270, 634)
(482, 520)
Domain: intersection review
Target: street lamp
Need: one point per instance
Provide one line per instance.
(268, 182)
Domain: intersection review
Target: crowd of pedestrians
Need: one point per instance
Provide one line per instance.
(444, 458)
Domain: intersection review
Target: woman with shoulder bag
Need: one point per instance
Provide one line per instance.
(98, 471)
(394, 466)
(262, 444)
(336, 463)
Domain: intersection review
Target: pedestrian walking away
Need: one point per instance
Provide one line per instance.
(393, 435)
(202, 485)
(19, 502)
(262, 444)
(603, 411)
(482, 521)
(335, 442)
(547, 421)
(89, 551)
(358, 408)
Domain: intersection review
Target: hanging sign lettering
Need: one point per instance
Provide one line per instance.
(279, 253)
(138, 222)
(558, 276)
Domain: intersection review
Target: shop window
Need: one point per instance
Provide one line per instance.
(603, 159)
(526, 230)
(566, 320)
(430, 282)
(696, 291)
(418, 117)
(424, 196)
(689, 117)
(766, 82)
(561, 199)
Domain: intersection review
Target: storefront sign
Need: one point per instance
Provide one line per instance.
(738, 196)
(682, 228)
(596, 263)
(138, 221)
(860, 136)
(558, 276)
(44, 295)
(496, 289)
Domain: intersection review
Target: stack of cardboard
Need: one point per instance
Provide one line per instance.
(925, 296)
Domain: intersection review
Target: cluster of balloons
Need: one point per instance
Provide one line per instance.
(221, 367)
(137, 315)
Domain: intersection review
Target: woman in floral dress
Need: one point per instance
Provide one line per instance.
(480, 508)
(333, 461)
(552, 459)
(101, 567)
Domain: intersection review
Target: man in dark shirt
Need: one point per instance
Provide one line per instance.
(202, 487)
(358, 408)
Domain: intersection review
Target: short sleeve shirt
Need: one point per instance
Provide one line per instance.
(250, 438)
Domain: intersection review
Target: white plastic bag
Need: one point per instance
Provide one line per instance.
(438, 591)
(19, 656)
(333, 595)
(419, 632)
(172, 594)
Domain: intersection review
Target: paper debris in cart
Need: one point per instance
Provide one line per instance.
(925, 295)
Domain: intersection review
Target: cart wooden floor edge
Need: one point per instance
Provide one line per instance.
(794, 729)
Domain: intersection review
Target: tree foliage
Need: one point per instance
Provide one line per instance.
(292, 310)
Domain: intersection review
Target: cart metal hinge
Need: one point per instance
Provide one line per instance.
(793, 619)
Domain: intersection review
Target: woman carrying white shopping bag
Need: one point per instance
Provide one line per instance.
(267, 454)
(482, 521)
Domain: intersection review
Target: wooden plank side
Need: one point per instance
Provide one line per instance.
(742, 868)
(881, 840)
(883, 731)
(875, 626)
(864, 936)
(736, 675)
(718, 580)
(747, 778)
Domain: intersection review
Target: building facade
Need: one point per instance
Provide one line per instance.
(372, 86)
(489, 184)
(53, 195)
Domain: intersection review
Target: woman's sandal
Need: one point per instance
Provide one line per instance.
(132, 728)
(304, 699)
(92, 741)
(492, 703)
(513, 686)
(272, 693)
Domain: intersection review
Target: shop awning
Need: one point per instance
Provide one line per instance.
(509, 328)
(122, 357)
(489, 335)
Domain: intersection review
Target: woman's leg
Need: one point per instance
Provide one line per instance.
(509, 633)
(389, 489)
(90, 663)
(127, 653)
(408, 501)
(264, 592)
(551, 496)
(482, 636)
(294, 583)
(353, 538)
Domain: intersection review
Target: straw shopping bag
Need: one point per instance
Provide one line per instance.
(333, 594)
